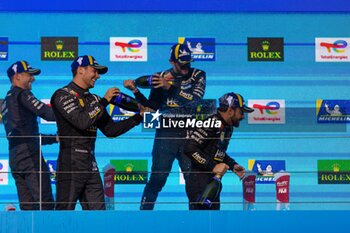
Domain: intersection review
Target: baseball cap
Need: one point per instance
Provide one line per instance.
(20, 67)
(234, 100)
(180, 53)
(87, 60)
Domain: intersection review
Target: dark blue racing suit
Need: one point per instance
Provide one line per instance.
(20, 111)
(168, 144)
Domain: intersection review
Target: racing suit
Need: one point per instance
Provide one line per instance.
(78, 114)
(168, 144)
(20, 111)
(206, 148)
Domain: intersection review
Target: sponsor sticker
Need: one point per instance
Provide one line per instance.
(265, 49)
(332, 49)
(128, 49)
(119, 114)
(130, 171)
(333, 171)
(333, 111)
(4, 48)
(267, 112)
(59, 48)
(266, 169)
(202, 49)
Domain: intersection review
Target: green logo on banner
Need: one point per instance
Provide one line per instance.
(333, 171)
(59, 48)
(130, 171)
(266, 49)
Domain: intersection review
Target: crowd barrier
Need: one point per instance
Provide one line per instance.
(271, 183)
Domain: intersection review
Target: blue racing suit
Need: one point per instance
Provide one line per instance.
(20, 111)
(168, 144)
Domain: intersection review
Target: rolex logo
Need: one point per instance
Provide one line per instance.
(265, 45)
(336, 167)
(59, 48)
(265, 49)
(59, 44)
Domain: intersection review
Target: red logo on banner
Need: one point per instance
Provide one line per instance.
(109, 182)
(249, 188)
(282, 188)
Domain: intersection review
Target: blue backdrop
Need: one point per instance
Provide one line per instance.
(299, 80)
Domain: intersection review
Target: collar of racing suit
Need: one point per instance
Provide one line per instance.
(78, 90)
(179, 75)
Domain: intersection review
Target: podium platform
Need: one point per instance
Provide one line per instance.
(173, 221)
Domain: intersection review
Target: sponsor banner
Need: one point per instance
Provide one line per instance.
(52, 165)
(265, 49)
(108, 185)
(119, 114)
(202, 49)
(4, 169)
(249, 187)
(333, 171)
(43, 121)
(332, 49)
(59, 48)
(4, 48)
(130, 171)
(282, 191)
(131, 49)
(1, 100)
(282, 187)
(267, 112)
(333, 111)
(266, 169)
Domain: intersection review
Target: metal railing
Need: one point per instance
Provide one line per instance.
(307, 189)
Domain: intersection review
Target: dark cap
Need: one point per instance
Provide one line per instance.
(234, 100)
(87, 60)
(180, 53)
(20, 67)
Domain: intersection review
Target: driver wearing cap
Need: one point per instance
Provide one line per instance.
(207, 150)
(20, 111)
(173, 89)
(79, 114)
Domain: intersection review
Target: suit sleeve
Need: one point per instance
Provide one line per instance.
(113, 129)
(195, 149)
(153, 99)
(34, 105)
(71, 109)
(229, 161)
(200, 84)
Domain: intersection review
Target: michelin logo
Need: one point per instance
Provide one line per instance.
(202, 49)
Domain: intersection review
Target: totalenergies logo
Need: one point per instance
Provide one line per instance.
(132, 45)
(270, 107)
(338, 46)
